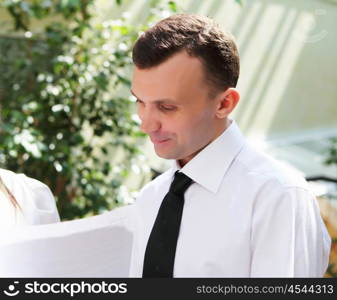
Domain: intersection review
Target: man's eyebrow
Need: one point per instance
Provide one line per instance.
(157, 100)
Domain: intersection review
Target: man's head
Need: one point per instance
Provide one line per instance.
(186, 70)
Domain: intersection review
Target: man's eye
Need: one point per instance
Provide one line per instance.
(167, 107)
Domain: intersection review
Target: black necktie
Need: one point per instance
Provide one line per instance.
(161, 246)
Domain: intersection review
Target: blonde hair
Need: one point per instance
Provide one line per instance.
(8, 194)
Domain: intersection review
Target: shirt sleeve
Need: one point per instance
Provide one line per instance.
(289, 238)
(42, 204)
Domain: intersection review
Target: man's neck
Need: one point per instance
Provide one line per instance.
(222, 128)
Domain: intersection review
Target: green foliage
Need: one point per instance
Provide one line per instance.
(332, 153)
(63, 120)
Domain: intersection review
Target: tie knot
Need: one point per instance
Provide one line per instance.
(180, 184)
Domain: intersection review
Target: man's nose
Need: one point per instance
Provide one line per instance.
(149, 123)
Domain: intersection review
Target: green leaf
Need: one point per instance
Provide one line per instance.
(172, 6)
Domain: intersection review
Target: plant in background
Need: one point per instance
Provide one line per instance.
(332, 153)
(63, 120)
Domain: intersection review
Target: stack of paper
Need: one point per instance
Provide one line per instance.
(98, 246)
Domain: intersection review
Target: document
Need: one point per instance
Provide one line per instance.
(98, 246)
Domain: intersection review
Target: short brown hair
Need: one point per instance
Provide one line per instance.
(201, 38)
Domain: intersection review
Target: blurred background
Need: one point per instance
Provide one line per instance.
(67, 117)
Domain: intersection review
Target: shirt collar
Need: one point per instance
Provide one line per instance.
(209, 166)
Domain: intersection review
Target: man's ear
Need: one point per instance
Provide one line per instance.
(227, 101)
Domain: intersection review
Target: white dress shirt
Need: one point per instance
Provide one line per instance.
(36, 201)
(246, 215)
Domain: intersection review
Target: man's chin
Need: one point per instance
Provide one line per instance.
(165, 155)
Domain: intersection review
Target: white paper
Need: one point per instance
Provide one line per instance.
(98, 246)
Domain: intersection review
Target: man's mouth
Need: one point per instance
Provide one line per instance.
(158, 141)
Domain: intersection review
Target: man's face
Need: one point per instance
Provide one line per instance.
(174, 107)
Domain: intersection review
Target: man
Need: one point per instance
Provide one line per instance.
(240, 213)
